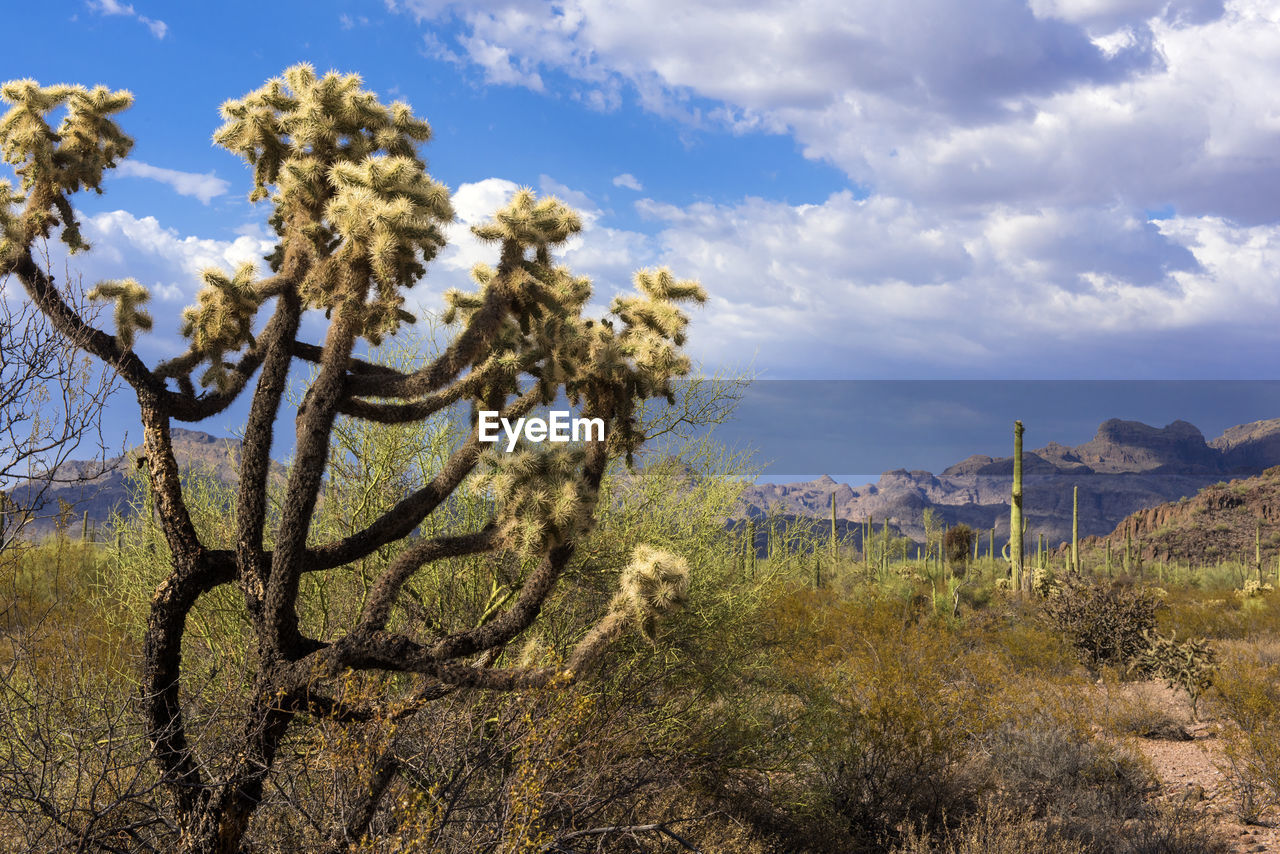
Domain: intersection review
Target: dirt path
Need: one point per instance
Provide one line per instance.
(1189, 771)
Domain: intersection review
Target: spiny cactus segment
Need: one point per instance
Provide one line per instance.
(54, 163)
(654, 584)
(129, 317)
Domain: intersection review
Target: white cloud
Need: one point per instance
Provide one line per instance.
(878, 287)
(112, 7)
(499, 65)
(628, 181)
(1145, 103)
(120, 237)
(858, 286)
(204, 186)
(165, 262)
(1012, 151)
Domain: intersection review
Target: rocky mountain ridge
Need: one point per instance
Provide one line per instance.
(1126, 467)
(1236, 521)
(99, 488)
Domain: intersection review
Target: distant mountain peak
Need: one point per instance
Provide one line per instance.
(1128, 465)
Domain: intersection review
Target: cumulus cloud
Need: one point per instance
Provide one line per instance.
(123, 243)
(1009, 151)
(856, 286)
(113, 7)
(205, 186)
(879, 286)
(875, 287)
(628, 182)
(162, 260)
(1059, 102)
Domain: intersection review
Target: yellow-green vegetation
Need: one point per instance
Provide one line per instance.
(900, 706)
(411, 643)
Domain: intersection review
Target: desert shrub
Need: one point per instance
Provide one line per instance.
(1170, 831)
(1000, 829)
(1051, 767)
(994, 829)
(1105, 623)
(958, 543)
(1204, 616)
(74, 765)
(880, 711)
(1247, 693)
(975, 594)
(1023, 640)
(42, 580)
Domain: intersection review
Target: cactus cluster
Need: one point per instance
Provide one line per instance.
(1253, 589)
(53, 163)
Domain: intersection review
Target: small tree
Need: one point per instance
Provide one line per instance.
(358, 218)
(959, 544)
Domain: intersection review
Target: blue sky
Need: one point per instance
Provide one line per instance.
(924, 189)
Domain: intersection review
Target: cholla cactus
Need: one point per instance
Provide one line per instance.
(655, 584)
(1190, 665)
(52, 164)
(221, 321)
(1253, 589)
(538, 498)
(1044, 583)
(129, 318)
(358, 219)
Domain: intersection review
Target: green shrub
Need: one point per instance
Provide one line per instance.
(1247, 690)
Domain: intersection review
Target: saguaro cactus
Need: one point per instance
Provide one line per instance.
(1257, 549)
(1020, 579)
(833, 527)
(1075, 529)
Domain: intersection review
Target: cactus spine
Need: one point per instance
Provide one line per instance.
(1015, 512)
